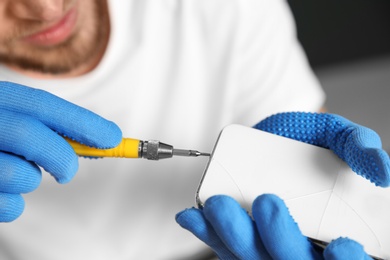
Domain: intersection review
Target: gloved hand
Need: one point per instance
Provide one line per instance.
(272, 234)
(30, 123)
(358, 146)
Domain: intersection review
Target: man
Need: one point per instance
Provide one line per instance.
(53, 37)
(176, 71)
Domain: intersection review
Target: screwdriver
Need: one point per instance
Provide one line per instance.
(134, 148)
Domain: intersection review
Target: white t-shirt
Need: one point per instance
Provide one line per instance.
(176, 71)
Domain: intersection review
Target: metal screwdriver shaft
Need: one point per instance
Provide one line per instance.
(188, 153)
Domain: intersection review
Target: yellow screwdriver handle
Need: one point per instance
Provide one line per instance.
(127, 148)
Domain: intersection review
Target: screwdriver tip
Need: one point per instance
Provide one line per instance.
(197, 153)
(189, 153)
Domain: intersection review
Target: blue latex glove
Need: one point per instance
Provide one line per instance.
(30, 123)
(358, 146)
(271, 234)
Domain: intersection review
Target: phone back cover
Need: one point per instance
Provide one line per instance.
(324, 196)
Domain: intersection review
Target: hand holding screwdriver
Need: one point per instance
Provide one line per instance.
(30, 123)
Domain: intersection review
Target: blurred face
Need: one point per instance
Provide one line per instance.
(61, 37)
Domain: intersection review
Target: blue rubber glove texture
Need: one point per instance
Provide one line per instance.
(345, 249)
(232, 234)
(30, 123)
(278, 230)
(358, 146)
(272, 233)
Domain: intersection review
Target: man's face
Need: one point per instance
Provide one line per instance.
(52, 36)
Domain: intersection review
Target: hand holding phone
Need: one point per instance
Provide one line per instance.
(324, 196)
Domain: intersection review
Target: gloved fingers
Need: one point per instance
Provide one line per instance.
(11, 206)
(60, 115)
(344, 249)
(358, 146)
(366, 157)
(305, 127)
(278, 231)
(235, 227)
(18, 175)
(194, 221)
(24, 136)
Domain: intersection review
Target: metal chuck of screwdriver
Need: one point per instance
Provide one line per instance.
(155, 150)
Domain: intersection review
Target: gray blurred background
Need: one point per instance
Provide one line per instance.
(348, 46)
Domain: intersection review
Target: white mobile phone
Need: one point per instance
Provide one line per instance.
(324, 196)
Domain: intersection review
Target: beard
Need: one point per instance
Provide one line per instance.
(84, 46)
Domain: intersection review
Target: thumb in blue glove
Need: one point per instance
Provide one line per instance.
(272, 233)
(358, 146)
(232, 234)
(30, 123)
